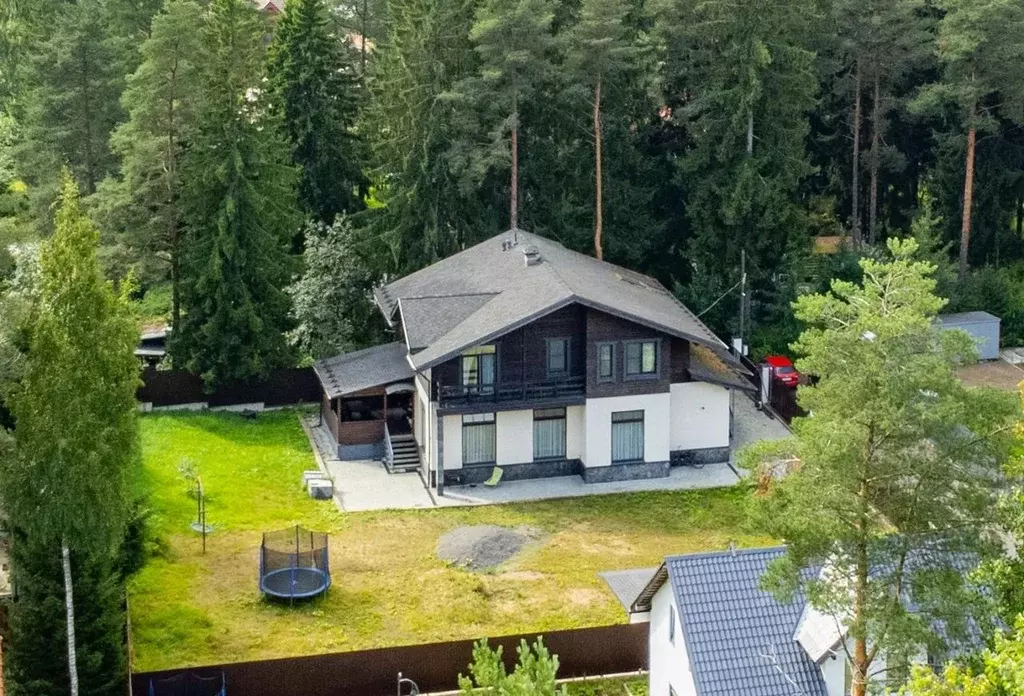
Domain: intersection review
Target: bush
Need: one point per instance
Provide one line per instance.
(999, 291)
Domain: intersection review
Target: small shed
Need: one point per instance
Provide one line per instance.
(981, 326)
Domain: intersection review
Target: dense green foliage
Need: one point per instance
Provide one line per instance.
(891, 482)
(65, 483)
(534, 675)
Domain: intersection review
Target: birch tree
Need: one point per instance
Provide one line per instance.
(74, 406)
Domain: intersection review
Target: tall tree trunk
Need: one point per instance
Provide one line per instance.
(69, 605)
(514, 203)
(598, 185)
(861, 659)
(171, 180)
(876, 125)
(965, 225)
(855, 174)
(750, 131)
(362, 44)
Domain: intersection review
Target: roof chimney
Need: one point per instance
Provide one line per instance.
(532, 255)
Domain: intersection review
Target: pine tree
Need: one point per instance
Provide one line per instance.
(981, 48)
(515, 43)
(892, 482)
(160, 101)
(600, 51)
(242, 210)
(312, 75)
(71, 104)
(65, 488)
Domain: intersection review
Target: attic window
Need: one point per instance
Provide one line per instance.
(638, 282)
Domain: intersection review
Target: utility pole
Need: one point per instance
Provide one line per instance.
(743, 298)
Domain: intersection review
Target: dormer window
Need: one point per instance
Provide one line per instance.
(558, 357)
(641, 359)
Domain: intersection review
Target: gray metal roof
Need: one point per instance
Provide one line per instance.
(965, 318)
(426, 319)
(628, 584)
(739, 638)
(520, 293)
(371, 367)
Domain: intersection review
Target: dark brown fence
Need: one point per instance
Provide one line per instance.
(282, 388)
(434, 667)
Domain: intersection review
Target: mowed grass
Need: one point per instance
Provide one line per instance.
(388, 586)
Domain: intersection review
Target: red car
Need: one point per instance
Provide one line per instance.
(783, 370)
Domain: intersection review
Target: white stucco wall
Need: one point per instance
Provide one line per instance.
(700, 416)
(575, 432)
(656, 408)
(669, 663)
(514, 437)
(452, 441)
(833, 671)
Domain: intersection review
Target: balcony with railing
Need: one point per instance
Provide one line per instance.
(553, 392)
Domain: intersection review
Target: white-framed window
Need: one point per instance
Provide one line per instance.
(549, 433)
(479, 368)
(605, 362)
(641, 358)
(671, 624)
(627, 436)
(479, 439)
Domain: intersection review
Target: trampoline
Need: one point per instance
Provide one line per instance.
(294, 564)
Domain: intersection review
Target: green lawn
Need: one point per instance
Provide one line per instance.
(388, 587)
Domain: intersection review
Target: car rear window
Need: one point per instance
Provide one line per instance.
(785, 369)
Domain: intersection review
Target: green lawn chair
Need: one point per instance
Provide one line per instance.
(495, 478)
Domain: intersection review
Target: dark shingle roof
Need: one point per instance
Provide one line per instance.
(372, 367)
(519, 293)
(740, 638)
(426, 319)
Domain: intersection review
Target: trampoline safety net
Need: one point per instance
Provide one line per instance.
(294, 563)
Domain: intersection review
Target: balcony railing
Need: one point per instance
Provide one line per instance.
(512, 392)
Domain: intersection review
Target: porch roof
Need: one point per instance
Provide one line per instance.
(363, 369)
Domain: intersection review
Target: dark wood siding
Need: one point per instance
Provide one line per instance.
(522, 353)
(329, 415)
(604, 328)
(680, 365)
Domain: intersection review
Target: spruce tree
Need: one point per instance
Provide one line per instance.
(65, 488)
(242, 210)
(313, 78)
(71, 102)
(160, 101)
(420, 211)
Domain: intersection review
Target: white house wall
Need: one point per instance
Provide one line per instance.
(514, 433)
(700, 416)
(452, 441)
(657, 427)
(833, 672)
(669, 662)
(576, 432)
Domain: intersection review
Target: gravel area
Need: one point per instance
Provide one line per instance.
(485, 546)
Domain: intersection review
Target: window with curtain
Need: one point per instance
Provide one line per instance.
(627, 436)
(641, 358)
(479, 367)
(605, 362)
(558, 356)
(549, 433)
(478, 439)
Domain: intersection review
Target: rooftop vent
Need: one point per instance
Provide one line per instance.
(532, 255)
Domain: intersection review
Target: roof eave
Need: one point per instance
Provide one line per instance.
(642, 603)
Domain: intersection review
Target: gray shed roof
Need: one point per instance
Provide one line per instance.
(739, 638)
(371, 367)
(965, 318)
(488, 290)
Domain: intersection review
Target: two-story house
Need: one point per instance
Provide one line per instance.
(522, 354)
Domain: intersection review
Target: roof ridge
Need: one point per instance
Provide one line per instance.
(748, 551)
(449, 295)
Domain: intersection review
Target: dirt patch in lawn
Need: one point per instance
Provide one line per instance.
(484, 546)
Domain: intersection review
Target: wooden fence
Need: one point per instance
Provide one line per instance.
(177, 387)
(433, 667)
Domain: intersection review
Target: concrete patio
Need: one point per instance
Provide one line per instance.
(366, 485)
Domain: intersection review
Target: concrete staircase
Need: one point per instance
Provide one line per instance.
(405, 455)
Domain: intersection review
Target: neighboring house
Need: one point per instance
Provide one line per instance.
(714, 632)
(520, 353)
(152, 347)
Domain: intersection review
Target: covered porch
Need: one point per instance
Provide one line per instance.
(367, 406)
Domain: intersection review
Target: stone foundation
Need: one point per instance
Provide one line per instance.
(513, 472)
(625, 472)
(700, 457)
